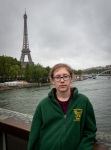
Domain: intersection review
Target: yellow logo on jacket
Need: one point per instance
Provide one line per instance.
(78, 114)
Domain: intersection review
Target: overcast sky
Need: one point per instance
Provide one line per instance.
(77, 32)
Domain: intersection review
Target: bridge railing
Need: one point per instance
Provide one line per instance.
(16, 126)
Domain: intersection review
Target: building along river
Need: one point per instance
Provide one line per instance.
(98, 90)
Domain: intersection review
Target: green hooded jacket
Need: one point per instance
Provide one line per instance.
(52, 130)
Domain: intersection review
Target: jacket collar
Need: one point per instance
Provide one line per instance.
(51, 93)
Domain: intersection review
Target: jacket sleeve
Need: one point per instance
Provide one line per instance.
(35, 129)
(89, 133)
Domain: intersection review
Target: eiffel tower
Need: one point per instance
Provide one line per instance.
(25, 50)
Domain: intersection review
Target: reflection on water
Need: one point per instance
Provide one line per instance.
(98, 90)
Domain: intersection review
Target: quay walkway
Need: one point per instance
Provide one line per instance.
(15, 128)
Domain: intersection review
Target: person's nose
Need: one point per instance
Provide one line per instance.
(62, 80)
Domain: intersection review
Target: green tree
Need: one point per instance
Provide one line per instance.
(14, 71)
(28, 73)
(6, 64)
(78, 72)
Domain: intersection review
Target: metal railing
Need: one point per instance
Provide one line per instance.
(13, 123)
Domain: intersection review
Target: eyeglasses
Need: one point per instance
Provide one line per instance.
(65, 78)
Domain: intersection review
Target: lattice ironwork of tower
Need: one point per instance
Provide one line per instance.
(25, 50)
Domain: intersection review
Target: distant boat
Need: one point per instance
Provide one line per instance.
(90, 76)
(94, 77)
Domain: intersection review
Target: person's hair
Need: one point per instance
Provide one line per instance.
(57, 67)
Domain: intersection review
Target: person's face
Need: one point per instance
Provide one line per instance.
(64, 84)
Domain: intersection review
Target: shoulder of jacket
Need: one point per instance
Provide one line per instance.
(88, 102)
(41, 104)
(80, 96)
(44, 101)
(84, 98)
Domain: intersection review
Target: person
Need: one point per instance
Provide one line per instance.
(65, 119)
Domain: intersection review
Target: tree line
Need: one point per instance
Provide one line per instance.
(11, 69)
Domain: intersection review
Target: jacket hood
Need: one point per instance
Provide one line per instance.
(51, 93)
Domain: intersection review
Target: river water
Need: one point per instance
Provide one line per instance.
(98, 90)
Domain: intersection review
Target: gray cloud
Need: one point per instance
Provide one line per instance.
(74, 32)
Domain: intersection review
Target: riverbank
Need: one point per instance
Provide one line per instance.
(20, 86)
(23, 84)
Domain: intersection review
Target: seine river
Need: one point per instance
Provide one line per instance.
(98, 90)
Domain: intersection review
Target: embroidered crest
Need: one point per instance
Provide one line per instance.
(78, 113)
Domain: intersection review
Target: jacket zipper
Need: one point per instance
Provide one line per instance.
(64, 122)
(64, 117)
